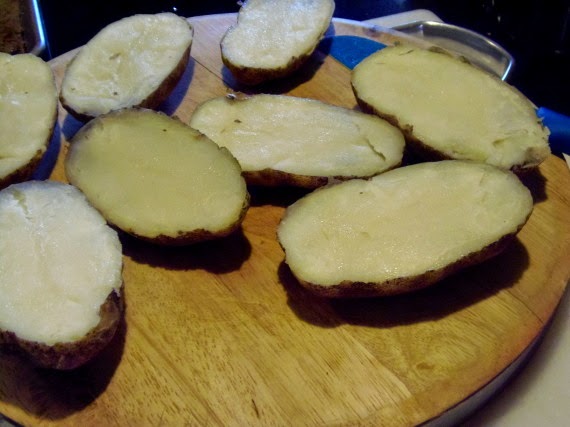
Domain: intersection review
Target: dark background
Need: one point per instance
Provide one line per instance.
(536, 33)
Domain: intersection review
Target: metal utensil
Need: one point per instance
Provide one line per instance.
(479, 50)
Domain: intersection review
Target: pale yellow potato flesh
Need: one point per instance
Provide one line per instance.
(126, 63)
(300, 136)
(452, 107)
(28, 111)
(59, 261)
(402, 224)
(155, 177)
(273, 37)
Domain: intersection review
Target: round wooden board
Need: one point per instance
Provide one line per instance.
(221, 333)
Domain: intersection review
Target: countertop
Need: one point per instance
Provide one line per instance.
(538, 394)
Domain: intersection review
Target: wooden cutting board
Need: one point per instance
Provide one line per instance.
(221, 333)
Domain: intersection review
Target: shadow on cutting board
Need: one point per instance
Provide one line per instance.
(456, 292)
(52, 394)
(215, 256)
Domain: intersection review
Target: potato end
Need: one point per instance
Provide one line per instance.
(71, 355)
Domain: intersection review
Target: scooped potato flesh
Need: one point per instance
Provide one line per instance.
(125, 62)
(402, 223)
(300, 136)
(453, 107)
(28, 109)
(271, 33)
(59, 261)
(153, 175)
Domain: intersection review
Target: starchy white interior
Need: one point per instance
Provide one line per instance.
(28, 102)
(154, 175)
(300, 136)
(270, 33)
(125, 62)
(452, 106)
(58, 262)
(401, 223)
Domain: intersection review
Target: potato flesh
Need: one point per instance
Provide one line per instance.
(59, 261)
(125, 62)
(154, 175)
(402, 223)
(300, 136)
(270, 33)
(452, 106)
(28, 102)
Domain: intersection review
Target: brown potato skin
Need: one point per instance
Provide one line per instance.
(276, 178)
(255, 76)
(153, 100)
(164, 90)
(402, 285)
(71, 355)
(25, 172)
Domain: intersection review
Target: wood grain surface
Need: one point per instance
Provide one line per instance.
(221, 333)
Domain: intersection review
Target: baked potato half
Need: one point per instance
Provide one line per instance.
(60, 275)
(403, 230)
(28, 105)
(284, 140)
(450, 109)
(134, 62)
(156, 178)
(273, 38)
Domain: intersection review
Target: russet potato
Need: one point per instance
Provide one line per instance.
(60, 275)
(285, 140)
(156, 178)
(403, 230)
(449, 109)
(134, 62)
(28, 105)
(273, 38)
